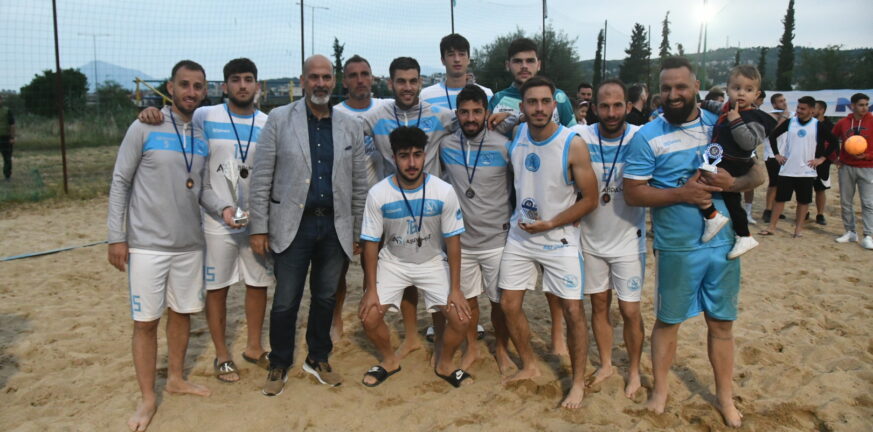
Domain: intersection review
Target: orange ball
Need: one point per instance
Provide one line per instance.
(855, 145)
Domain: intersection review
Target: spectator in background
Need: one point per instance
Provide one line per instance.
(823, 182)
(638, 94)
(581, 112)
(856, 171)
(781, 113)
(7, 137)
(655, 107)
(585, 92)
(715, 94)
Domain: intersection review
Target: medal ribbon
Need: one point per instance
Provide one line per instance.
(188, 164)
(409, 207)
(242, 154)
(467, 156)
(397, 119)
(614, 158)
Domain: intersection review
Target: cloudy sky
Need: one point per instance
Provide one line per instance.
(151, 35)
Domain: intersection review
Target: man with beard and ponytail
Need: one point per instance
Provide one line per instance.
(613, 236)
(154, 234)
(308, 188)
(231, 130)
(476, 163)
(662, 171)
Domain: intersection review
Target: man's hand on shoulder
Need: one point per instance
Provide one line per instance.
(151, 115)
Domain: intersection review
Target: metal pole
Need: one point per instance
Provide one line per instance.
(302, 42)
(452, 3)
(312, 30)
(59, 96)
(545, 12)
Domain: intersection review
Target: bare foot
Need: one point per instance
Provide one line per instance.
(409, 345)
(656, 403)
(632, 386)
(527, 373)
(504, 363)
(731, 415)
(574, 397)
(470, 357)
(559, 347)
(186, 387)
(140, 419)
(600, 376)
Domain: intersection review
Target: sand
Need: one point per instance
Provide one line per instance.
(804, 357)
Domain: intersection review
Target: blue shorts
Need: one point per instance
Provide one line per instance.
(691, 282)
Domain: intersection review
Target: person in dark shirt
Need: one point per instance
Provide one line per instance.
(7, 138)
(638, 94)
(823, 182)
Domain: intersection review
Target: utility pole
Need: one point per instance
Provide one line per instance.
(311, 23)
(94, 37)
(603, 74)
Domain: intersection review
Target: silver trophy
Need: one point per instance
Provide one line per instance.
(529, 211)
(231, 170)
(712, 157)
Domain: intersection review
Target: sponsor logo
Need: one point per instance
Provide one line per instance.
(458, 215)
(571, 281)
(633, 283)
(801, 133)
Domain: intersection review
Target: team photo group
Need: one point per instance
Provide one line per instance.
(453, 191)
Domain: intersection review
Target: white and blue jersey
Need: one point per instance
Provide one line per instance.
(543, 188)
(667, 156)
(228, 142)
(430, 213)
(374, 159)
(614, 229)
(446, 97)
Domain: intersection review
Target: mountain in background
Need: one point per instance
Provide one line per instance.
(110, 72)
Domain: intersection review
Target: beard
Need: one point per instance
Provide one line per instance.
(319, 100)
(410, 180)
(479, 127)
(242, 103)
(612, 130)
(679, 115)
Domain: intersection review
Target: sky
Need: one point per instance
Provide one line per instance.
(151, 36)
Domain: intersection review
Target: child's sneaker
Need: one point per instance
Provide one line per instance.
(742, 245)
(713, 225)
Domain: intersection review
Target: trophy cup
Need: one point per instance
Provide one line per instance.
(232, 175)
(529, 213)
(712, 157)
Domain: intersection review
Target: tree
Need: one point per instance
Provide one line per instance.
(680, 50)
(664, 50)
(636, 65)
(39, 95)
(561, 60)
(822, 69)
(737, 58)
(338, 64)
(762, 66)
(785, 65)
(114, 97)
(598, 61)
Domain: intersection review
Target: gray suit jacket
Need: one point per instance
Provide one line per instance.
(283, 171)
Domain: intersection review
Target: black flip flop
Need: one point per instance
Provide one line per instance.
(380, 374)
(263, 361)
(455, 378)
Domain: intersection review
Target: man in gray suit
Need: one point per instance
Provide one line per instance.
(308, 189)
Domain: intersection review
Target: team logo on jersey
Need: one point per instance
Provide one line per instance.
(633, 283)
(430, 208)
(532, 162)
(571, 281)
(681, 181)
(801, 133)
(458, 215)
(411, 226)
(427, 124)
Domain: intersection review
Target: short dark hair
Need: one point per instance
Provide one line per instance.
(187, 64)
(763, 94)
(823, 104)
(611, 81)
(238, 66)
(714, 93)
(472, 92)
(355, 59)
(635, 92)
(774, 97)
(537, 81)
(405, 137)
(676, 62)
(403, 63)
(584, 85)
(521, 45)
(807, 100)
(858, 96)
(455, 42)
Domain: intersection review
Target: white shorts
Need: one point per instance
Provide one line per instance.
(624, 274)
(562, 274)
(158, 280)
(430, 277)
(229, 259)
(479, 271)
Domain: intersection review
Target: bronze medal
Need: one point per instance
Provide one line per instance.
(470, 194)
(243, 172)
(190, 183)
(605, 198)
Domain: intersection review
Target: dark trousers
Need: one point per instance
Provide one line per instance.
(316, 242)
(6, 149)
(734, 201)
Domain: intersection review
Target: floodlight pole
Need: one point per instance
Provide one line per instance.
(59, 95)
(94, 37)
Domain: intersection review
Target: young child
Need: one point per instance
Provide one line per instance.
(739, 129)
(581, 112)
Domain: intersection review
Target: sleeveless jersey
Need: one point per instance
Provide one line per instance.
(543, 189)
(800, 146)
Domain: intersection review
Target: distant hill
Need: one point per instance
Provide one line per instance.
(110, 72)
